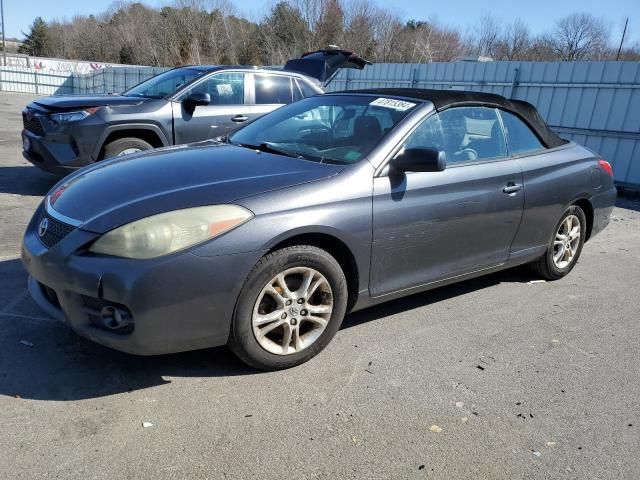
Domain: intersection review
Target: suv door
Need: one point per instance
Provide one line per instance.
(269, 91)
(430, 226)
(225, 113)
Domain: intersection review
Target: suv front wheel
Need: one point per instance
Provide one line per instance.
(125, 146)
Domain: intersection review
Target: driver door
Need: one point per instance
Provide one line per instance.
(430, 226)
(226, 112)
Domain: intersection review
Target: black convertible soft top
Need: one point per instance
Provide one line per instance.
(443, 99)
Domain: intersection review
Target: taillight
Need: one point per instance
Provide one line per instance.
(606, 166)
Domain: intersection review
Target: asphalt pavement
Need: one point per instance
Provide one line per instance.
(496, 377)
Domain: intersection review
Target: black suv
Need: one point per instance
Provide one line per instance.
(183, 105)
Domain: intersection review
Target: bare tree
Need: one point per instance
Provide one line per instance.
(515, 41)
(488, 36)
(579, 36)
(359, 34)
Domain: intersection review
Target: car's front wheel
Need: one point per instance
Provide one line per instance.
(565, 246)
(125, 146)
(290, 307)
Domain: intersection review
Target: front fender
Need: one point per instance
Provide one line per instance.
(129, 126)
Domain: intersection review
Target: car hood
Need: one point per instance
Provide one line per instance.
(118, 191)
(70, 102)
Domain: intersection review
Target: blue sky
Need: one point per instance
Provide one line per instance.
(539, 14)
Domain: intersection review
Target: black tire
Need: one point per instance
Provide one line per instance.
(242, 340)
(545, 266)
(115, 148)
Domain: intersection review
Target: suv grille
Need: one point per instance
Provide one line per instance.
(32, 124)
(56, 230)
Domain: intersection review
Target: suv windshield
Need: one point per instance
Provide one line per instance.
(164, 84)
(328, 128)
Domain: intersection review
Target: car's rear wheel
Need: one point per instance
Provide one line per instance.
(125, 146)
(565, 245)
(290, 307)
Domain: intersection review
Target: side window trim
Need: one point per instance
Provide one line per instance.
(504, 132)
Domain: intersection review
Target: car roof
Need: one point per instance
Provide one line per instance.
(443, 99)
(249, 68)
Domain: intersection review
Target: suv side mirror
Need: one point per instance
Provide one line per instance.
(420, 160)
(197, 99)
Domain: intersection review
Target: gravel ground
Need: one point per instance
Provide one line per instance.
(490, 378)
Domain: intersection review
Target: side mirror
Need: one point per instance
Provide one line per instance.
(420, 160)
(197, 99)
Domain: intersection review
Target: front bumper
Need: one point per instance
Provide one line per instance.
(177, 303)
(52, 154)
(59, 148)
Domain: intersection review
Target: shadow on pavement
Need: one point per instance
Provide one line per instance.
(62, 366)
(26, 180)
(514, 275)
(630, 202)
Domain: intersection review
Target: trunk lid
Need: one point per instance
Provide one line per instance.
(324, 64)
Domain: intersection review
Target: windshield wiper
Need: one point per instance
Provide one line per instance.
(268, 148)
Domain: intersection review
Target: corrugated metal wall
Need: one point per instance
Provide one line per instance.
(596, 104)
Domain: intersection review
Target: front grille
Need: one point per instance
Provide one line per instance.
(54, 232)
(32, 124)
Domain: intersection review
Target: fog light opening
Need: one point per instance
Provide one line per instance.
(115, 318)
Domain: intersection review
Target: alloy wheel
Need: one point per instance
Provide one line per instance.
(292, 311)
(566, 242)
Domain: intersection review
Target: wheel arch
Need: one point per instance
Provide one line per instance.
(587, 208)
(151, 134)
(336, 247)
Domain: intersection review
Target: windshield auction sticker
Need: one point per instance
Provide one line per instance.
(392, 103)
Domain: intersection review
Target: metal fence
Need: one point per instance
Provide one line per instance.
(105, 80)
(596, 104)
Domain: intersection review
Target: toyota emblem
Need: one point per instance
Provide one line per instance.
(42, 228)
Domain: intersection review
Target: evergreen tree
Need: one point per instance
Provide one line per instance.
(36, 41)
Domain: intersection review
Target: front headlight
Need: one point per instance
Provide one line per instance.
(66, 117)
(169, 232)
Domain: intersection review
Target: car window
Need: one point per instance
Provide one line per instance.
(465, 134)
(273, 89)
(307, 90)
(520, 138)
(164, 84)
(224, 88)
(326, 128)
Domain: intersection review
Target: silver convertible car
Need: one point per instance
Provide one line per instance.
(266, 239)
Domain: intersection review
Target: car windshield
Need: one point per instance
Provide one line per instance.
(164, 84)
(339, 129)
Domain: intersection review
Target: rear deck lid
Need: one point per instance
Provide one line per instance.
(325, 64)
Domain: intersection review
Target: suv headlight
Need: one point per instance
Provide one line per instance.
(66, 117)
(171, 231)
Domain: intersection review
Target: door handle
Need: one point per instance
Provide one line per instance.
(512, 188)
(240, 118)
